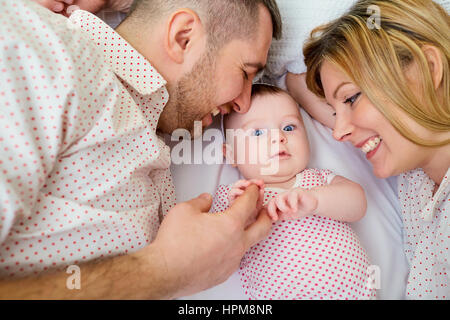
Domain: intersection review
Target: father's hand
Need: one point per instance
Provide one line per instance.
(201, 249)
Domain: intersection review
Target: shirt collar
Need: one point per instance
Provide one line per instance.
(125, 61)
(421, 181)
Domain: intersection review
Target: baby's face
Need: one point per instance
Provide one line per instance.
(271, 144)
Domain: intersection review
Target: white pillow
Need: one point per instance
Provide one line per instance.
(299, 18)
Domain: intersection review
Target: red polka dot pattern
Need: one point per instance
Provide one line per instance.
(84, 175)
(310, 258)
(426, 243)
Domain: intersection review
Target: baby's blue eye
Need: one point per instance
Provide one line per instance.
(258, 132)
(289, 128)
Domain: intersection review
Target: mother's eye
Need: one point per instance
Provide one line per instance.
(352, 99)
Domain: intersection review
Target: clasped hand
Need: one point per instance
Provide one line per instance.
(292, 204)
(201, 249)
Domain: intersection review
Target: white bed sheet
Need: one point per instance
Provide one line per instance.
(380, 231)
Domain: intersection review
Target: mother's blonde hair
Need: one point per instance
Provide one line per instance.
(375, 59)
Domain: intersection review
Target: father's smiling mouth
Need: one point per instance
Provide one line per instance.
(208, 118)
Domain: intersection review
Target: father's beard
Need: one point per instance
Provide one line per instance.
(191, 98)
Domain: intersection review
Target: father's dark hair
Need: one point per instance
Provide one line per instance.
(224, 20)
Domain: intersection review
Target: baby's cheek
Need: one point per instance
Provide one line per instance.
(250, 171)
(251, 151)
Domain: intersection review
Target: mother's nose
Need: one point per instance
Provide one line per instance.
(343, 127)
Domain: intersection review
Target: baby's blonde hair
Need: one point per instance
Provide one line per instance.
(375, 59)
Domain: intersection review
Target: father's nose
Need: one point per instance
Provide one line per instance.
(241, 103)
(343, 127)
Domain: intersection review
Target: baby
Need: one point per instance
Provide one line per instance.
(311, 253)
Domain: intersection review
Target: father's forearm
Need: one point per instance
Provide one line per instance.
(141, 275)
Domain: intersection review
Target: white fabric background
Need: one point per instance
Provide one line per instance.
(300, 17)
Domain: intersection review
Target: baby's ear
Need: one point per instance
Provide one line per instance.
(228, 154)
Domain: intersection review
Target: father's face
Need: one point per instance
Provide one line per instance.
(221, 81)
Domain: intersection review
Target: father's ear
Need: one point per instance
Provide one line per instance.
(184, 32)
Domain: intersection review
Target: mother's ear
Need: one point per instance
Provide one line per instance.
(183, 31)
(434, 58)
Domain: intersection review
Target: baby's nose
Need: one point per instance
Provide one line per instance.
(278, 136)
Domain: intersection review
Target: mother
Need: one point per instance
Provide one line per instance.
(388, 87)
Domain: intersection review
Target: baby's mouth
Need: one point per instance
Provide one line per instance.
(281, 155)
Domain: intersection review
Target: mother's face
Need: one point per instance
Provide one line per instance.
(362, 124)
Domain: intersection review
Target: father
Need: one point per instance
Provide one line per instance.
(84, 176)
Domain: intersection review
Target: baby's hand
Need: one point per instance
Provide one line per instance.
(93, 6)
(293, 204)
(57, 6)
(240, 186)
(67, 7)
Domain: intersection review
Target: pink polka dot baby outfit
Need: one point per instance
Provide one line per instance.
(426, 234)
(83, 173)
(309, 258)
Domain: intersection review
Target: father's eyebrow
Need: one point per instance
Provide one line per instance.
(257, 65)
(338, 87)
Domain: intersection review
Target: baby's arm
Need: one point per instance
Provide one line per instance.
(315, 106)
(341, 200)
